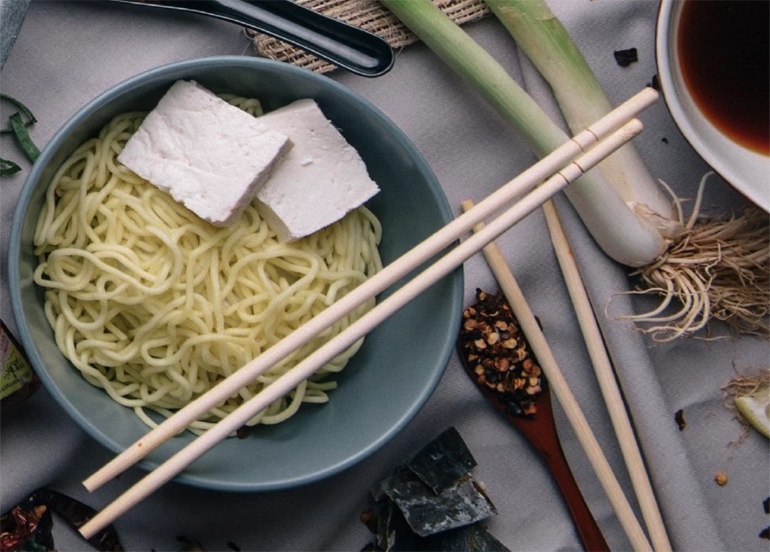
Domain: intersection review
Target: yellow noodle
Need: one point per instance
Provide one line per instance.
(156, 306)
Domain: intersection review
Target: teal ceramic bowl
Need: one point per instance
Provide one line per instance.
(383, 386)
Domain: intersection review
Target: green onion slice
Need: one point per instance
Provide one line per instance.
(22, 109)
(23, 139)
(8, 167)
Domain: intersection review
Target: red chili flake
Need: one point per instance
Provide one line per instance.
(492, 346)
(18, 526)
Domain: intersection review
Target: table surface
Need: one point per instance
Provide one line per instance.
(68, 52)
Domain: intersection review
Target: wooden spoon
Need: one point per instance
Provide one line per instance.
(540, 431)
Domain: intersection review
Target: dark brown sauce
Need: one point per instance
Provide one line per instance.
(724, 51)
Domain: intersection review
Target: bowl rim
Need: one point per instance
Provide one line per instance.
(718, 156)
(125, 86)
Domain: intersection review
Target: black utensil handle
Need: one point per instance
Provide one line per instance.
(343, 45)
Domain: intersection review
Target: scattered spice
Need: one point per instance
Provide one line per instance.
(766, 505)
(233, 546)
(765, 533)
(679, 417)
(29, 524)
(721, 478)
(495, 349)
(370, 520)
(23, 525)
(624, 58)
(664, 140)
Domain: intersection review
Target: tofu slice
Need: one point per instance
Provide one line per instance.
(207, 154)
(320, 180)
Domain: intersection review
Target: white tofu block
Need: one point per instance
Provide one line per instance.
(207, 154)
(320, 180)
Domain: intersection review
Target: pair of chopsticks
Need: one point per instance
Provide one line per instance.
(540, 182)
(607, 383)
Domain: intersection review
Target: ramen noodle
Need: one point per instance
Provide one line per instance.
(156, 306)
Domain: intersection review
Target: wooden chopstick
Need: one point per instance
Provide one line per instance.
(389, 275)
(606, 378)
(560, 387)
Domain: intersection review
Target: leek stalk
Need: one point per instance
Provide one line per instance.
(581, 98)
(625, 237)
(619, 202)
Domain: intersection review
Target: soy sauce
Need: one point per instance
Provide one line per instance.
(724, 50)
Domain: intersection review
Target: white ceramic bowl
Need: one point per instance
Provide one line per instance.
(746, 170)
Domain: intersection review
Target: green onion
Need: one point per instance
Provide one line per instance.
(22, 138)
(627, 238)
(581, 98)
(8, 167)
(619, 203)
(31, 119)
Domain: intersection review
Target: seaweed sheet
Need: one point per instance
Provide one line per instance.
(443, 461)
(395, 535)
(433, 503)
(426, 512)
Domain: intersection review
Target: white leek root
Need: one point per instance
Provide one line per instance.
(717, 268)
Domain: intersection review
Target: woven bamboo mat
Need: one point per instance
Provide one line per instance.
(367, 14)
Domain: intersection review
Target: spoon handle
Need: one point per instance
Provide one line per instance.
(346, 46)
(585, 524)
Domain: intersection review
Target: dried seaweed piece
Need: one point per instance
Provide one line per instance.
(626, 57)
(427, 513)
(400, 536)
(471, 538)
(442, 461)
(765, 533)
(679, 418)
(766, 505)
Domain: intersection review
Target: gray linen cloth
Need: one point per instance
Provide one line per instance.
(68, 52)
